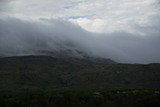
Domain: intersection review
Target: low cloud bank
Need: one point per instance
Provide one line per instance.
(20, 37)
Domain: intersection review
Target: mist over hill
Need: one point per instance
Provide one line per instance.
(25, 37)
(79, 53)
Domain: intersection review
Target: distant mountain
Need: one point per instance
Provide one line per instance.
(74, 72)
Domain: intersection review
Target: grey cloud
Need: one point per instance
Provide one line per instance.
(3, 5)
(18, 37)
(2, 1)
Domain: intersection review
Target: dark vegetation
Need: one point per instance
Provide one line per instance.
(43, 81)
(81, 98)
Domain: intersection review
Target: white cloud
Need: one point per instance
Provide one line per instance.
(117, 14)
(97, 15)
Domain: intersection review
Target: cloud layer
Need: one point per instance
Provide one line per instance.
(18, 37)
(93, 15)
(123, 30)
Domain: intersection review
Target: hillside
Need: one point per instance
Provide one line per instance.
(49, 72)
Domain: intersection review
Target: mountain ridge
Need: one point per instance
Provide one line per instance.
(52, 72)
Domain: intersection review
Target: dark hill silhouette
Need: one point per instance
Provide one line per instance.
(52, 72)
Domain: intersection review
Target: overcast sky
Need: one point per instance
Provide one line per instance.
(124, 30)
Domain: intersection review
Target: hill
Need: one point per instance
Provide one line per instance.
(37, 72)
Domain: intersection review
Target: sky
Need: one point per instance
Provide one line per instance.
(126, 31)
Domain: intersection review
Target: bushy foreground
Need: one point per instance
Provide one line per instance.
(81, 98)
